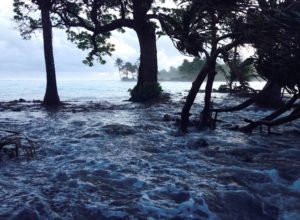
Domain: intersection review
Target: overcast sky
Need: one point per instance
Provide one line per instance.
(24, 58)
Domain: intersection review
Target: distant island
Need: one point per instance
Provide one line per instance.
(189, 70)
(127, 71)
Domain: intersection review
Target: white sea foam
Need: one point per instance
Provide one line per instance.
(121, 160)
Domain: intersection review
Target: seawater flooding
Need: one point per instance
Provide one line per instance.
(102, 158)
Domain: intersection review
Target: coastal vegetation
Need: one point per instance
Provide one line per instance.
(127, 71)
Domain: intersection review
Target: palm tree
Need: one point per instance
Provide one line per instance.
(119, 63)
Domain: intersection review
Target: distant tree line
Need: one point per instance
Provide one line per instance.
(188, 70)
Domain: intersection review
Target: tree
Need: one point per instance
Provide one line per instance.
(209, 27)
(278, 54)
(241, 71)
(25, 16)
(99, 17)
(276, 40)
(119, 63)
(129, 68)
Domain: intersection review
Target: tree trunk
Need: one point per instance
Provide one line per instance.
(147, 87)
(270, 96)
(207, 68)
(51, 96)
(148, 56)
(205, 118)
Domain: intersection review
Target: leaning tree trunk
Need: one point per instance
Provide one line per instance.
(205, 119)
(51, 96)
(147, 87)
(207, 68)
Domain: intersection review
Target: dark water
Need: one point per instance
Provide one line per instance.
(118, 160)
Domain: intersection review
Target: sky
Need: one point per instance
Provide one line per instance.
(23, 59)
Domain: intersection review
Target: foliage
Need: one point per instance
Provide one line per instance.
(126, 68)
(27, 15)
(85, 40)
(278, 48)
(197, 27)
(119, 63)
(90, 23)
(129, 68)
(241, 71)
(191, 68)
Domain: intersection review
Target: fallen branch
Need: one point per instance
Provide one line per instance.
(238, 107)
(253, 124)
(282, 120)
(15, 142)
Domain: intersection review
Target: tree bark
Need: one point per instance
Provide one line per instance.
(205, 117)
(147, 87)
(148, 57)
(207, 68)
(51, 96)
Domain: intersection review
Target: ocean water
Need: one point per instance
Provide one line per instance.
(86, 90)
(100, 157)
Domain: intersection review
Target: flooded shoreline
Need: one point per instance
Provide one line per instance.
(102, 160)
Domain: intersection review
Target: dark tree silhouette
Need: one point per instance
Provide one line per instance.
(277, 53)
(24, 15)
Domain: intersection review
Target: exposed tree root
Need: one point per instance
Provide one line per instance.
(15, 144)
(283, 120)
(268, 119)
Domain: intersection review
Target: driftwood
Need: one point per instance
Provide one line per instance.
(15, 144)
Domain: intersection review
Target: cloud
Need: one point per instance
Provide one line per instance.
(126, 45)
(168, 55)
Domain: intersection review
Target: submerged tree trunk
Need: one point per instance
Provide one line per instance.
(205, 118)
(207, 68)
(51, 96)
(147, 87)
